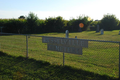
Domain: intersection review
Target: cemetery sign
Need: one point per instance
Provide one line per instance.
(68, 45)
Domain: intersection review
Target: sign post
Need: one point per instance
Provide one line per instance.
(67, 36)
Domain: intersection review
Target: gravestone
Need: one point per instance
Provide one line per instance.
(119, 32)
(1, 29)
(102, 31)
(67, 33)
(97, 30)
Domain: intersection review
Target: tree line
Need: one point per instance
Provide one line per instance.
(108, 22)
(32, 24)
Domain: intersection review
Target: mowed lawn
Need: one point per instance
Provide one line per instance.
(100, 58)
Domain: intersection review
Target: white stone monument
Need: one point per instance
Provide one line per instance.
(119, 32)
(67, 33)
(102, 31)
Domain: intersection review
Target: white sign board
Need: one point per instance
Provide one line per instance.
(65, 49)
(67, 45)
(65, 41)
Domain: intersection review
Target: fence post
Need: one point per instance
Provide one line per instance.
(67, 36)
(26, 46)
(119, 60)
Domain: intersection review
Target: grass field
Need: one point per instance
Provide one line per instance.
(99, 61)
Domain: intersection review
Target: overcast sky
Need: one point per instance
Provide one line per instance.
(68, 9)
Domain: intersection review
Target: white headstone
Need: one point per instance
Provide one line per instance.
(119, 32)
(102, 31)
(67, 33)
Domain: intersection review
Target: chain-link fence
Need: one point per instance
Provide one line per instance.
(13, 44)
(100, 57)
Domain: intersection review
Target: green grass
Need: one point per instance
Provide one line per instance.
(20, 68)
(100, 58)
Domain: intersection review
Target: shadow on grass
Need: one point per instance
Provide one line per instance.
(20, 68)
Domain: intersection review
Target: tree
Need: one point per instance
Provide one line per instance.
(59, 24)
(49, 24)
(54, 24)
(14, 25)
(32, 20)
(74, 23)
(86, 22)
(21, 17)
(109, 22)
(93, 24)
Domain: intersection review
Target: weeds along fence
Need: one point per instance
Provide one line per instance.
(100, 57)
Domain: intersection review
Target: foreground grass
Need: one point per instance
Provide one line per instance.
(100, 57)
(20, 68)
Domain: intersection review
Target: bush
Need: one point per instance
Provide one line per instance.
(109, 22)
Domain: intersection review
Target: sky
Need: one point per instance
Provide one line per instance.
(67, 9)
